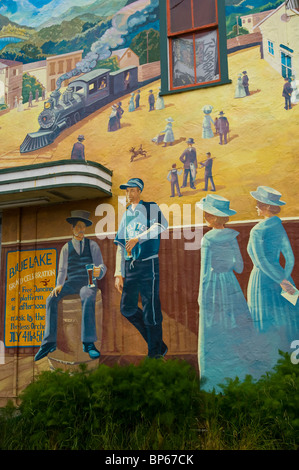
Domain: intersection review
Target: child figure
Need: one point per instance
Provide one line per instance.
(174, 180)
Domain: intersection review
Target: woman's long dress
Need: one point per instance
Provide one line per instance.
(131, 104)
(207, 132)
(275, 318)
(225, 326)
(295, 93)
(169, 136)
(160, 102)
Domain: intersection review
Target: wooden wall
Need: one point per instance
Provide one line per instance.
(120, 342)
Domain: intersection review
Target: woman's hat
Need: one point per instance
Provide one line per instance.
(267, 196)
(169, 119)
(216, 205)
(79, 215)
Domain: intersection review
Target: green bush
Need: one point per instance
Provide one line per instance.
(267, 408)
(109, 406)
(156, 405)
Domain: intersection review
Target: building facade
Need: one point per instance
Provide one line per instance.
(280, 31)
(58, 65)
(11, 73)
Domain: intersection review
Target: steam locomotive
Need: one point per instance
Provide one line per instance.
(82, 97)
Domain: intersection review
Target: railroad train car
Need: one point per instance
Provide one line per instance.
(83, 96)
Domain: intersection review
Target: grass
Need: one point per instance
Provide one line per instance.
(157, 405)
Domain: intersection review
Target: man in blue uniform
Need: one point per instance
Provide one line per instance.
(137, 266)
(73, 279)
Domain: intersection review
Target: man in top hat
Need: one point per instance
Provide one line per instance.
(188, 157)
(137, 266)
(223, 128)
(245, 82)
(73, 278)
(208, 163)
(151, 100)
(287, 93)
(78, 151)
(137, 99)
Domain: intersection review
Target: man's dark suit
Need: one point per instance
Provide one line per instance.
(208, 173)
(187, 157)
(78, 151)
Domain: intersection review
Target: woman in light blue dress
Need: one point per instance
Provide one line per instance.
(225, 326)
(240, 90)
(131, 103)
(160, 101)
(207, 132)
(273, 315)
(168, 136)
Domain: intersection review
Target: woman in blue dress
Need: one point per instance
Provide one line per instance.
(240, 90)
(131, 103)
(207, 132)
(274, 316)
(168, 136)
(225, 326)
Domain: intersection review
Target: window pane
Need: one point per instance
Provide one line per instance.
(204, 12)
(206, 48)
(180, 15)
(183, 61)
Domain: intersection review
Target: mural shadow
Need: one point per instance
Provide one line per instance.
(175, 142)
(190, 192)
(138, 159)
(255, 91)
(232, 137)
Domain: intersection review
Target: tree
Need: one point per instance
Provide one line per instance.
(31, 51)
(30, 83)
(147, 46)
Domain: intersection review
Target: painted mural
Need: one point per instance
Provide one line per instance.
(191, 251)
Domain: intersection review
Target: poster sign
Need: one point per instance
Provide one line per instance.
(30, 277)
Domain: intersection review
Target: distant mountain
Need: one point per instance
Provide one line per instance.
(4, 21)
(27, 12)
(100, 8)
(244, 7)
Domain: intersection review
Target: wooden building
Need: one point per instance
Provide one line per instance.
(11, 76)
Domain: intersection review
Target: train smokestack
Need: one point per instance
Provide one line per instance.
(55, 95)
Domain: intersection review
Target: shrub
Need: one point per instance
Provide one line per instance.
(90, 410)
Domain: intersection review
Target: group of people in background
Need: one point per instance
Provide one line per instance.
(239, 337)
(189, 170)
(220, 123)
(242, 87)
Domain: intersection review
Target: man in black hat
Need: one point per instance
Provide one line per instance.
(245, 83)
(223, 128)
(208, 163)
(188, 157)
(287, 93)
(73, 278)
(78, 152)
(151, 100)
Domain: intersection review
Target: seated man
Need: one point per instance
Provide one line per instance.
(73, 279)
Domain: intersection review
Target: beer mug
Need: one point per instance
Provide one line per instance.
(89, 269)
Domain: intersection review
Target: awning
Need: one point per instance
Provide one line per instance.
(54, 182)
